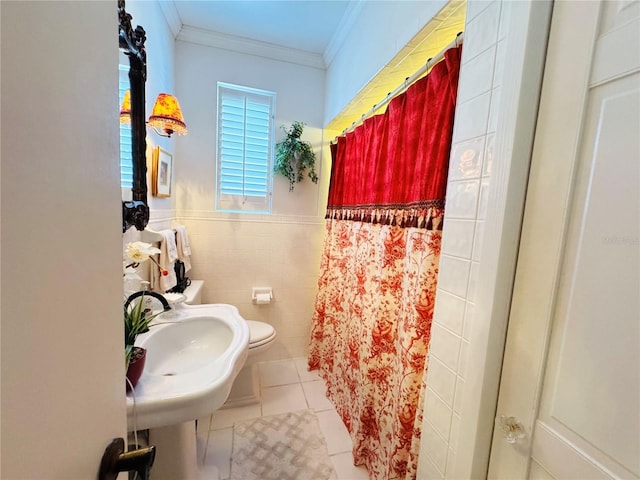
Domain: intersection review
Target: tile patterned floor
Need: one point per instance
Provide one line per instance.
(286, 386)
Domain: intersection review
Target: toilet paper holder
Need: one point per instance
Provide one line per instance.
(261, 295)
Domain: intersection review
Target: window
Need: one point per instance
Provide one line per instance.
(126, 159)
(245, 149)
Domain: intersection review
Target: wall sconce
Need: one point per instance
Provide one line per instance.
(166, 117)
(125, 109)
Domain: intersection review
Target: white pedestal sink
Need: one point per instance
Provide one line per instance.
(190, 367)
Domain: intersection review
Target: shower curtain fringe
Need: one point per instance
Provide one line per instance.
(406, 84)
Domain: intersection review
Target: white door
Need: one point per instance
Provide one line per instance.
(571, 372)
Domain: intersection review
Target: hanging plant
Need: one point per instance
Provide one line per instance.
(294, 156)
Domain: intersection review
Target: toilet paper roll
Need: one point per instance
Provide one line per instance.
(263, 298)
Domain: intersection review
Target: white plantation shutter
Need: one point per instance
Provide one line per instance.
(126, 160)
(245, 149)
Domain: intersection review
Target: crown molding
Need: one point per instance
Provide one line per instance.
(344, 28)
(250, 47)
(172, 16)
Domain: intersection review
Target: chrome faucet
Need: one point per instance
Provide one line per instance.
(165, 304)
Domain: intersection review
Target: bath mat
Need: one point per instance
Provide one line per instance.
(289, 446)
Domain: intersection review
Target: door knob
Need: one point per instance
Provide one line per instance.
(511, 428)
(116, 460)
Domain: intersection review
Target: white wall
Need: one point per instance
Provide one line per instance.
(487, 180)
(234, 252)
(63, 395)
(375, 36)
(299, 93)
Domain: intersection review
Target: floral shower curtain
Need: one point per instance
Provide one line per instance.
(372, 319)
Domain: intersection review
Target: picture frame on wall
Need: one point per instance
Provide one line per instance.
(161, 173)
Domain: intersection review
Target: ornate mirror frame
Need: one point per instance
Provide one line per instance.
(135, 212)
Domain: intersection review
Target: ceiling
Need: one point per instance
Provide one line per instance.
(303, 25)
(313, 27)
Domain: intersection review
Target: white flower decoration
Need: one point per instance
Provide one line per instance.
(140, 251)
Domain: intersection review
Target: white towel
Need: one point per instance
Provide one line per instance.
(184, 249)
(184, 238)
(168, 255)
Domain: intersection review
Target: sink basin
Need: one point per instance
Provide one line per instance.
(185, 347)
(191, 363)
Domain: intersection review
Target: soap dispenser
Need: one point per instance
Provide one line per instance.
(147, 306)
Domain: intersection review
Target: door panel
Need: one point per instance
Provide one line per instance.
(578, 276)
(539, 473)
(591, 387)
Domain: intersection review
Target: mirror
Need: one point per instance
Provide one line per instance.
(135, 212)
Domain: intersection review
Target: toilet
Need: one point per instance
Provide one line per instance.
(245, 389)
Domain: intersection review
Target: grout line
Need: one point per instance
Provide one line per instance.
(261, 388)
(206, 445)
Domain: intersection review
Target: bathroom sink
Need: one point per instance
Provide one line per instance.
(185, 347)
(191, 363)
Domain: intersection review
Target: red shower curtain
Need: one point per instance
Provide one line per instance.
(372, 319)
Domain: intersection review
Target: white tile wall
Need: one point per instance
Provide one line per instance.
(467, 159)
(499, 63)
(453, 275)
(232, 256)
(468, 321)
(460, 240)
(437, 446)
(427, 469)
(445, 346)
(462, 199)
(474, 8)
(488, 155)
(472, 116)
(277, 373)
(451, 459)
(484, 197)
(462, 359)
(473, 281)
(441, 413)
(477, 240)
(481, 32)
(481, 82)
(492, 126)
(457, 403)
(450, 311)
(442, 380)
(455, 425)
(467, 192)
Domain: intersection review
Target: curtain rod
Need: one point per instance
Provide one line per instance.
(407, 81)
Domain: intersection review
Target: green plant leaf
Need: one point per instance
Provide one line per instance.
(136, 322)
(295, 156)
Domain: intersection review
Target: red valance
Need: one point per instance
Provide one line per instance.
(393, 168)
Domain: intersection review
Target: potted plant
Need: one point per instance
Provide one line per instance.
(137, 320)
(294, 156)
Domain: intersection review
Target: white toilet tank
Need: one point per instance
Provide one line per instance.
(194, 292)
